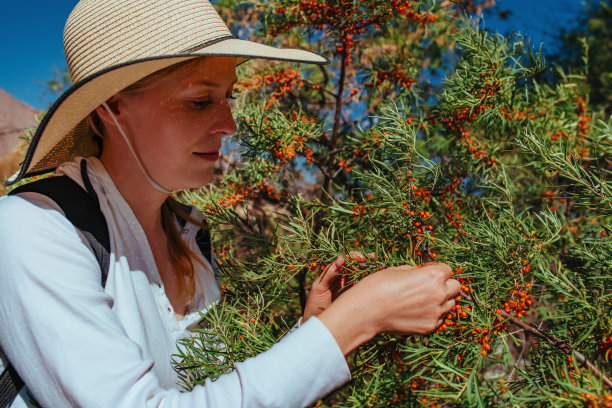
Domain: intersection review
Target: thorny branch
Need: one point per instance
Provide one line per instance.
(549, 338)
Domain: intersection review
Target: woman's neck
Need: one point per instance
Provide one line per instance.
(144, 200)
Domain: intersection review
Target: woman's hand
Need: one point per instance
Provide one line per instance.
(328, 286)
(404, 299)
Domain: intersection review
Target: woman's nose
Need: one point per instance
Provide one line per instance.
(225, 124)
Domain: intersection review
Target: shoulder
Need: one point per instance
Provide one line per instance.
(30, 212)
(23, 210)
(34, 233)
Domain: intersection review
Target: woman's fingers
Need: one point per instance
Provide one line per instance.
(333, 277)
(359, 257)
(452, 288)
(448, 306)
(402, 268)
(336, 268)
(446, 270)
(403, 299)
(332, 272)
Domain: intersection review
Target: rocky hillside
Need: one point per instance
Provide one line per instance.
(15, 118)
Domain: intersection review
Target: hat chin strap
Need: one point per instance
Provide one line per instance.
(153, 183)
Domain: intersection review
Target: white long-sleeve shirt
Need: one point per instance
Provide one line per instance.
(75, 343)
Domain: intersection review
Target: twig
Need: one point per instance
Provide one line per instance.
(325, 191)
(320, 167)
(520, 355)
(549, 338)
(321, 89)
(301, 279)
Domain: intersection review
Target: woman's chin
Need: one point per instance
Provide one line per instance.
(186, 178)
(201, 180)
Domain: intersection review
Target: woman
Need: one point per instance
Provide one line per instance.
(151, 86)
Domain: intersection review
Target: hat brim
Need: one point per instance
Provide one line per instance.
(77, 102)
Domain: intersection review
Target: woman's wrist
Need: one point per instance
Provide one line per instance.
(349, 327)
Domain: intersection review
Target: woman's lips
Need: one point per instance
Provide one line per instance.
(212, 156)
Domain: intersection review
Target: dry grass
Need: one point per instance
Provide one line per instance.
(9, 164)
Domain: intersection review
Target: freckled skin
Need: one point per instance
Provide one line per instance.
(175, 124)
(170, 121)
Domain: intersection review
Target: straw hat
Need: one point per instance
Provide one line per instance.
(111, 44)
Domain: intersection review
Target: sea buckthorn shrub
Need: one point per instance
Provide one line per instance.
(425, 139)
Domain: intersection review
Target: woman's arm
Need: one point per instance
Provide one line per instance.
(404, 299)
(60, 333)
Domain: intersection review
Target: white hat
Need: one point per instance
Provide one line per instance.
(111, 44)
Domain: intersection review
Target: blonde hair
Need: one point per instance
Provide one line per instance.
(180, 253)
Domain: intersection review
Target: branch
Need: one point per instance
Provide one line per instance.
(301, 279)
(320, 167)
(321, 88)
(325, 76)
(325, 193)
(549, 338)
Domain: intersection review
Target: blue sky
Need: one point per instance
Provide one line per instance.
(31, 33)
(31, 45)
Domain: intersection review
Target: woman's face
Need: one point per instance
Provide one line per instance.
(176, 125)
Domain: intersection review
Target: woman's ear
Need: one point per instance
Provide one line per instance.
(104, 115)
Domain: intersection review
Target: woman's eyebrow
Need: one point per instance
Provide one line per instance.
(214, 84)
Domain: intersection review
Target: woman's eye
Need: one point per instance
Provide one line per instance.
(200, 104)
(231, 97)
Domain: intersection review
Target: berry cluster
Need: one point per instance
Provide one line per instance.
(452, 204)
(395, 76)
(223, 259)
(423, 193)
(574, 370)
(559, 134)
(285, 150)
(519, 301)
(456, 118)
(359, 210)
(606, 346)
(268, 191)
(583, 117)
(344, 19)
(518, 115)
(344, 164)
(583, 127)
(503, 388)
(361, 151)
(416, 230)
(238, 194)
(279, 83)
(596, 401)
(476, 149)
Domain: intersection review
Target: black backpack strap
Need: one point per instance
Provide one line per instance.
(81, 208)
(203, 241)
(10, 384)
(202, 237)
